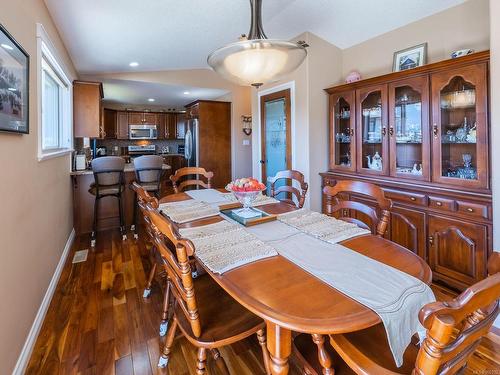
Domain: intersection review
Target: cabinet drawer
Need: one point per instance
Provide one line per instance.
(406, 197)
(473, 209)
(442, 203)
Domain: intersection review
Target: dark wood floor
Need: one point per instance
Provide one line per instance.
(98, 322)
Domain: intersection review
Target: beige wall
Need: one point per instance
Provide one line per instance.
(463, 26)
(495, 119)
(238, 95)
(322, 68)
(36, 204)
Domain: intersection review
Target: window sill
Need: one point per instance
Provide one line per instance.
(54, 154)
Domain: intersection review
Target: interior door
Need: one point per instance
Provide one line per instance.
(276, 134)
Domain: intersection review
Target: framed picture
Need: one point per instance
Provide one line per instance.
(14, 85)
(410, 58)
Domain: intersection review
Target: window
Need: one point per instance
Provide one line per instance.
(55, 102)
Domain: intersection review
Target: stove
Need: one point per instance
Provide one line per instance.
(136, 150)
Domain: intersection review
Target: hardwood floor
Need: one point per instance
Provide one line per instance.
(99, 323)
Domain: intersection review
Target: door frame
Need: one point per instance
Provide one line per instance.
(257, 139)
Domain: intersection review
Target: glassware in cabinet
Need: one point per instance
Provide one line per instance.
(342, 131)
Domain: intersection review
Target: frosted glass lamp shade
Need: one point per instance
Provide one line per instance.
(257, 61)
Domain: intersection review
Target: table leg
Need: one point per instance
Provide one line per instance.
(323, 356)
(279, 344)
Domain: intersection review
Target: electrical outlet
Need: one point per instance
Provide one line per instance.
(246, 142)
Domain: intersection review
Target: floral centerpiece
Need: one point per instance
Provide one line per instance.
(246, 191)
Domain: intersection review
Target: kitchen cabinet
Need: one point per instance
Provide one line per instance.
(430, 127)
(135, 118)
(110, 130)
(88, 113)
(180, 126)
(122, 119)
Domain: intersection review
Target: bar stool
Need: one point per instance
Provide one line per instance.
(109, 181)
(148, 171)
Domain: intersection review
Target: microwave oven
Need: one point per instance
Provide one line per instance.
(142, 132)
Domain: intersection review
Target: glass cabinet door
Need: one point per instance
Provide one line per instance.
(342, 131)
(460, 127)
(372, 128)
(409, 128)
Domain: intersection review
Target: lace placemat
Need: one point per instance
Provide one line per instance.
(321, 226)
(188, 210)
(224, 246)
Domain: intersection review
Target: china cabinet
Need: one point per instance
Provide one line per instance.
(423, 136)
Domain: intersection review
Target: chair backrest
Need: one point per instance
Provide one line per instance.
(148, 169)
(191, 177)
(455, 328)
(143, 198)
(349, 210)
(108, 170)
(177, 266)
(290, 176)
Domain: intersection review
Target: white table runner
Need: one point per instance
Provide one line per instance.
(188, 210)
(394, 296)
(216, 198)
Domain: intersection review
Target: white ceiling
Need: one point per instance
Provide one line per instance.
(137, 93)
(106, 35)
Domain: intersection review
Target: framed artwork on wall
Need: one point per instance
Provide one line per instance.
(410, 58)
(14, 85)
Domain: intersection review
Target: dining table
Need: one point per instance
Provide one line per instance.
(288, 298)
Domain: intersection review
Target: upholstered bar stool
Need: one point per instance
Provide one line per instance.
(148, 172)
(109, 181)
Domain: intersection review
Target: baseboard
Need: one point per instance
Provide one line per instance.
(25, 355)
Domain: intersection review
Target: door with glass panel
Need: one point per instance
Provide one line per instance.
(372, 148)
(459, 127)
(409, 128)
(275, 135)
(342, 131)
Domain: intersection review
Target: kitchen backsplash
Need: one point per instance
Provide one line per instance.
(111, 143)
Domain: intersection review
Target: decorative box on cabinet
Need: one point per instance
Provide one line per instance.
(430, 127)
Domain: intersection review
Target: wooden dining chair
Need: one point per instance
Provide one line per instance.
(190, 176)
(205, 314)
(357, 210)
(289, 176)
(155, 259)
(454, 331)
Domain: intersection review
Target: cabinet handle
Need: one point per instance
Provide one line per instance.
(470, 210)
(384, 131)
(431, 240)
(439, 204)
(351, 132)
(413, 199)
(391, 131)
(435, 131)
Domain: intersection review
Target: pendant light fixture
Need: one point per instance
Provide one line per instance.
(256, 60)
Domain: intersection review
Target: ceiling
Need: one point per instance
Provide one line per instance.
(137, 93)
(106, 35)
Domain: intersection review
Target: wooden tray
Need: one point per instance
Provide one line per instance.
(263, 218)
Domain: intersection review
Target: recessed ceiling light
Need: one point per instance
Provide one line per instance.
(186, 92)
(151, 100)
(6, 46)
(133, 64)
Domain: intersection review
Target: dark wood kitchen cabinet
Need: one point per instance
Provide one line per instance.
(110, 129)
(180, 126)
(122, 121)
(430, 128)
(135, 118)
(88, 112)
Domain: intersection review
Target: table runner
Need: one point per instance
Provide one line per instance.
(216, 198)
(188, 210)
(394, 296)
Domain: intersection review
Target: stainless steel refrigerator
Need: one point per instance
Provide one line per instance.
(191, 143)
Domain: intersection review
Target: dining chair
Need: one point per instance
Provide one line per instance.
(190, 177)
(289, 176)
(155, 259)
(454, 331)
(109, 181)
(204, 313)
(148, 172)
(342, 202)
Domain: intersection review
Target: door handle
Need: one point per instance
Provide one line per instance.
(391, 131)
(384, 131)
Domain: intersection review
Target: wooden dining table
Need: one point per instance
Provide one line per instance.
(290, 299)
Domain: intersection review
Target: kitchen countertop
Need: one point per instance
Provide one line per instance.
(128, 168)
